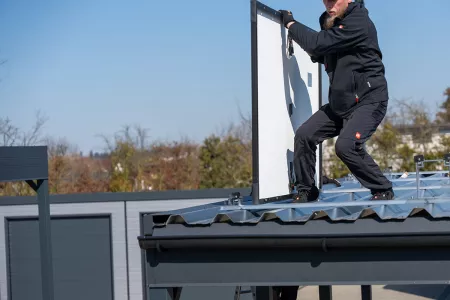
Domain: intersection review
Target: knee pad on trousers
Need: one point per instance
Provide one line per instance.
(343, 147)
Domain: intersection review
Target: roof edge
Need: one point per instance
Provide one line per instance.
(268, 242)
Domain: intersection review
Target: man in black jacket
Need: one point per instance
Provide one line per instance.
(358, 96)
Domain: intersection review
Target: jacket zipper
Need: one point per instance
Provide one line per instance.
(354, 87)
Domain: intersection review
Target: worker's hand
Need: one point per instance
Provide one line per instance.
(287, 17)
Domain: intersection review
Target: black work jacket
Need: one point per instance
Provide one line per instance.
(351, 55)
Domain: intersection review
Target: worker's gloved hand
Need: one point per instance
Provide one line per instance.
(287, 16)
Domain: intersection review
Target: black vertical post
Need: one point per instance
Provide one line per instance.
(366, 292)
(265, 293)
(174, 293)
(254, 65)
(320, 146)
(325, 292)
(45, 239)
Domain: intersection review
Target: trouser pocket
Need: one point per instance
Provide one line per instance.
(379, 112)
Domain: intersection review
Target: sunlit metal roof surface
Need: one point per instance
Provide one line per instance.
(346, 203)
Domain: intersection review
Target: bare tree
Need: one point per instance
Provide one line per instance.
(415, 118)
(134, 135)
(59, 154)
(33, 136)
(8, 132)
(10, 135)
(141, 137)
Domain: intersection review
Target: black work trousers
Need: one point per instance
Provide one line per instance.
(353, 132)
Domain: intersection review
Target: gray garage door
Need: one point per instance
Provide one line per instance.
(82, 258)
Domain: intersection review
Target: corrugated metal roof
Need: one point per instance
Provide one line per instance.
(346, 203)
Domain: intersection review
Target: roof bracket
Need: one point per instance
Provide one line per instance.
(148, 223)
(419, 160)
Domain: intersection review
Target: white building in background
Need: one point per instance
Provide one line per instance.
(414, 136)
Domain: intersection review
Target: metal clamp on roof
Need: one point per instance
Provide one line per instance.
(235, 198)
(420, 160)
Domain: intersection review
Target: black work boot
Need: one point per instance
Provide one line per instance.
(383, 195)
(304, 196)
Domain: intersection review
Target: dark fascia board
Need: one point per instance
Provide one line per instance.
(59, 217)
(324, 244)
(23, 163)
(288, 266)
(126, 197)
(256, 235)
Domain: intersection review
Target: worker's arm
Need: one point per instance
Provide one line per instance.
(288, 20)
(347, 35)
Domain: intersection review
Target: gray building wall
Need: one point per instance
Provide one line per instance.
(119, 248)
(82, 258)
(124, 212)
(134, 211)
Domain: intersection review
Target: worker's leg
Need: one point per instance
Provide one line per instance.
(349, 146)
(321, 125)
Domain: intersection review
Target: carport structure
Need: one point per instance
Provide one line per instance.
(343, 239)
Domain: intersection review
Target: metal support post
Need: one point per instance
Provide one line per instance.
(173, 293)
(325, 292)
(366, 292)
(265, 293)
(45, 236)
(45, 239)
(447, 162)
(418, 160)
(417, 181)
(238, 292)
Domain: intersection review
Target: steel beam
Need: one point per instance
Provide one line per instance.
(296, 267)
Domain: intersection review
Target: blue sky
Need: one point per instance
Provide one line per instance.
(93, 66)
